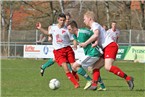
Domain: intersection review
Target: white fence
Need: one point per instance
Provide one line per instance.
(18, 39)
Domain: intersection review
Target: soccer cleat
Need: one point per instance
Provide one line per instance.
(88, 84)
(93, 88)
(101, 89)
(41, 71)
(130, 83)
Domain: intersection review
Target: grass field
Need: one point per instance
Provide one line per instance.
(21, 78)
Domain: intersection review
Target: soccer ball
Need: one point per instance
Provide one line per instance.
(54, 84)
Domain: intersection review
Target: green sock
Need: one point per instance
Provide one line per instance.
(69, 67)
(101, 82)
(48, 63)
(83, 73)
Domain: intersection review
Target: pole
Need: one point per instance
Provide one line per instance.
(36, 37)
(130, 37)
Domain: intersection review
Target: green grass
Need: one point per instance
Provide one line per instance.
(21, 78)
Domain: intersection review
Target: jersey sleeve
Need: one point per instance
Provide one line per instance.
(75, 37)
(95, 27)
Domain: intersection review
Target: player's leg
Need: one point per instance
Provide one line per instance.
(96, 72)
(62, 60)
(73, 72)
(96, 75)
(82, 72)
(113, 47)
(102, 85)
(70, 75)
(99, 64)
(50, 62)
(117, 71)
(71, 59)
(84, 63)
(69, 67)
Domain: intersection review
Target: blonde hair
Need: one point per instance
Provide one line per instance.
(90, 14)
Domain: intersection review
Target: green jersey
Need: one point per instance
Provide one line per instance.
(83, 35)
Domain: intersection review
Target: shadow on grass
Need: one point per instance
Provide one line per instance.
(140, 90)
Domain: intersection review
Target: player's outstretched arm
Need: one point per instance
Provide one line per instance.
(39, 27)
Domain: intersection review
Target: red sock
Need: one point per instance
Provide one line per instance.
(117, 71)
(96, 75)
(75, 75)
(128, 78)
(71, 78)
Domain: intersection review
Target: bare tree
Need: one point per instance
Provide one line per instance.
(61, 5)
(6, 27)
(81, 5)
(97, 10)
(10, 27)
(107, 13)
(142, 5)
(3, 33)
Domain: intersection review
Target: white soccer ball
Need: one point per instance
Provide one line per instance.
(54, 84)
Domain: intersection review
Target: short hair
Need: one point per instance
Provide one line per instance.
(73, 24)
(68, 14)
(62, 15)
(113, 22)
(90, 14)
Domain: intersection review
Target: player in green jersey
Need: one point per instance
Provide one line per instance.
(92, 54)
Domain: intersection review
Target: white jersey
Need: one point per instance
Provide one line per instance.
(61, 37)
(113, 34)
(104, 40)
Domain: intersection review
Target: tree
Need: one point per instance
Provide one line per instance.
(107, 13)
(142, 5)
(7, 15)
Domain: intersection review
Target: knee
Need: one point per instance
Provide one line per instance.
(107, 67)
(74, 67)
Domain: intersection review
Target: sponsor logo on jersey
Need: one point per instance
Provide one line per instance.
(63, 31)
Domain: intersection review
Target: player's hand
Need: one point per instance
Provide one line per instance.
(74, 47)
(49, 38)
(94, 45)
(38, 25)
(82, 45)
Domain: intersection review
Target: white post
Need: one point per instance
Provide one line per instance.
(130, 37)
(36, 36)
(36, 40)
(15, 50)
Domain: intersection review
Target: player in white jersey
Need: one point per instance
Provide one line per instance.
(113, 32)
(63, 53)
(110, 47)
(51, 61)
(105, 27)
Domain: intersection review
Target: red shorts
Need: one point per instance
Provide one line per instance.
(64, 55)
(110, 51)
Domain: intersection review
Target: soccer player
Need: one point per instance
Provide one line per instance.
(51, 61)
(105, 27)
(61, 41)
(113, 32)
(92, 54)
(110, 47)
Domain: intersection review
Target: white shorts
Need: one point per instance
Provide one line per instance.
(87, 61)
